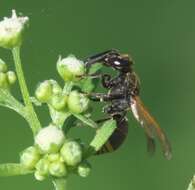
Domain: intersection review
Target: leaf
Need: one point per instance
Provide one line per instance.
(86, 120)
(13, 169)
(94, 68)
(89, 84)
(103, 134)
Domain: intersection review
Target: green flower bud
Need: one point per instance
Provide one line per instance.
(77, 102)
(43, 167)
(53, 157)
(3, 66)
(44, 91)
(39, 176)
(70, 68)
(3, 80)
(56, 89)
(29, 157)
(11, 30)
(84, 169)
(71, 152)
(58, 102)
(11, 77)
(58, 169)
(50, 139)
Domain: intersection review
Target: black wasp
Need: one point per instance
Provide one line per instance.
(123, 95)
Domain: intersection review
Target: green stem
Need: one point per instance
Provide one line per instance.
(68, 87)
(7, 100)
(13, 169)
(32, 117)
(192, 184)
(60, 184)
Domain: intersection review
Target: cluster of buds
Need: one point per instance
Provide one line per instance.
(51, 93)
(54, 155)
(7, 78)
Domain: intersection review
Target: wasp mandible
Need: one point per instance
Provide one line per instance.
(123, 95)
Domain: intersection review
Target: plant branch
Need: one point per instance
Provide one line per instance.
(13, 169)
(192, 184)
(60, 184)
(7, 100)
(32, 117)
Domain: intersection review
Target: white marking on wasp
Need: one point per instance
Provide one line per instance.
(117, 63)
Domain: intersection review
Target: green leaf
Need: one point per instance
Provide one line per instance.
(94, 68)
(89, 84)
(103, 134)
(12, 169)
(86, 120)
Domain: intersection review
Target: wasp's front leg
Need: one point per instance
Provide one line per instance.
(105, 79)
(100, 57)
(104, 97)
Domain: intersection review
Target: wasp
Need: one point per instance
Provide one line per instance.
(123, 95)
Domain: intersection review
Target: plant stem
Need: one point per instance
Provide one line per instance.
(60, 184)
(7, 100)
(32, 117)
(13, 169)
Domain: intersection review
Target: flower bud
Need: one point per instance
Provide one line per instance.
(58, 102)
(11, 30)
(71, 152)
(49, 139)
(84, 169)
(53, 157)
(56, 89)
(3, 80)
(77, 102)
(58, 169)
(29, 157)
(43, 167)
(70, 68)
(44, 91)
(39, 176)
(11, 77)
(3, 66)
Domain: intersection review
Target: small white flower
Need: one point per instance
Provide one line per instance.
(50, 139)
(70, 67)
(11, 30)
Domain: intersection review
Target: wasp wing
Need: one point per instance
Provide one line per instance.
(150, 125)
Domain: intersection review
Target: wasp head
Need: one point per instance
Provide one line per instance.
(120, 62)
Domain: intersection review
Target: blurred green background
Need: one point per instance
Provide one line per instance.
(160, 36)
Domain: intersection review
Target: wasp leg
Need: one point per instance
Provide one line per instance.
(103, 119)
(104, 97)
(100, 57)
(92, 76)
